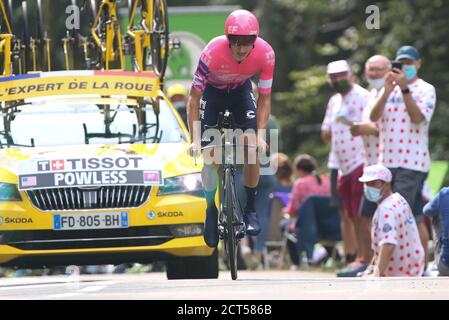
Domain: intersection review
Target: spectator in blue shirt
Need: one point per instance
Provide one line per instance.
(439, 207)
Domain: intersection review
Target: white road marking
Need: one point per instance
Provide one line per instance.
(32, 286)
(92, 289)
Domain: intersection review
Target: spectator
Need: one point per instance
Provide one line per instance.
(375, 70)
(439, 208)
(347, 227)
(344, 108)
(309, 183)
(283, 174)
(395, 239)
(282, 190)
(177, 94)
(405, 108)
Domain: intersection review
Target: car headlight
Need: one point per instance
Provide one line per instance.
(186, 184)
(186, 230)
(9, 192)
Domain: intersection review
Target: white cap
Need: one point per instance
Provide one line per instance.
(376, 172)
(338, 67)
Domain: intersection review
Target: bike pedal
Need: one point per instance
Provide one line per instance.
(240, 234)
(220, 232)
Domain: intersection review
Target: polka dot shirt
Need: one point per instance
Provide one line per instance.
(371, 142)
(348, 150)
(402, 143)
(393, 223)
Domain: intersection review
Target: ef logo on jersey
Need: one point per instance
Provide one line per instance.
(250, 114)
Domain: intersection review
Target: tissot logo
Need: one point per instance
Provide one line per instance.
(94, 163)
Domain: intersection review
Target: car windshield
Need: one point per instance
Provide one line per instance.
(70, 122)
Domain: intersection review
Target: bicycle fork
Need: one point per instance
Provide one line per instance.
(238, 225)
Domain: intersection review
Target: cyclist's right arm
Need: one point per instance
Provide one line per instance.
(200, 79)
(193, 116)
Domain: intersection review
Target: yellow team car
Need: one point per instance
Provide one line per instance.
(94, 170)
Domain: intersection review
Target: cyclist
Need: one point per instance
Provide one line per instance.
(222, 81)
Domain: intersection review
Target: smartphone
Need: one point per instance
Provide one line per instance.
(397, 65)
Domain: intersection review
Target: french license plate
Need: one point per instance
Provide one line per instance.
(111, 220)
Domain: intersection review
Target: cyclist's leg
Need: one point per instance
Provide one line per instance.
(210, 105)
(244, 109)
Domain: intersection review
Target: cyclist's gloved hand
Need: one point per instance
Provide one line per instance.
(262, 146)
(194, 150)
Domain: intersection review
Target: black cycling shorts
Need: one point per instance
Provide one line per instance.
(239, 101)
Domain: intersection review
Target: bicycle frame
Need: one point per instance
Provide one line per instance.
(38, 61)
(6, 43)
(143, 36)
(5, 17)
(112, 32)
(5, 48)
(229, 219)
(48, 52)
(66, 47)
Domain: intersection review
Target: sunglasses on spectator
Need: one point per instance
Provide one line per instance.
(235, 40)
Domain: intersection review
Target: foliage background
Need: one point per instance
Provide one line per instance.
(308, 34)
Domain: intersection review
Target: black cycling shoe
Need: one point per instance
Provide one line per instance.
(241, 232)
(252, 224)
(211, 227)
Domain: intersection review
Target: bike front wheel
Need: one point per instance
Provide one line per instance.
(230, 211)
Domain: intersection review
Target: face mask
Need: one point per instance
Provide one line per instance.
(376, 83)
(372, 194)
(341, 86)
(410, 71)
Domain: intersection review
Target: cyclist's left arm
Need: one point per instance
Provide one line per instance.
(263, 110)
(264, 88)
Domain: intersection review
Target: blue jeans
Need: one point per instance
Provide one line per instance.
(317, 220)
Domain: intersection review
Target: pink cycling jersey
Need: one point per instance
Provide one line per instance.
(218, 68)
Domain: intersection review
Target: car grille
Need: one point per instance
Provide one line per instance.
(84, 239)
(73, 198)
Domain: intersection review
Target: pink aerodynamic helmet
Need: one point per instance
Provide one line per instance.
(241, 23)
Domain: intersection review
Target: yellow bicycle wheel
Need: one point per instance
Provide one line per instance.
(156, 57)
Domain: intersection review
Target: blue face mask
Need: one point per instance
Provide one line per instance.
(410, 71)
(372, 194)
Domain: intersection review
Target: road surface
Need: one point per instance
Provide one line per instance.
(271, 285)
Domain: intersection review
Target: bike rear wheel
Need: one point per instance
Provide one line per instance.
(156, 57)
(230, 212)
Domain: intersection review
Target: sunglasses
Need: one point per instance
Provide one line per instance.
(235, 40)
